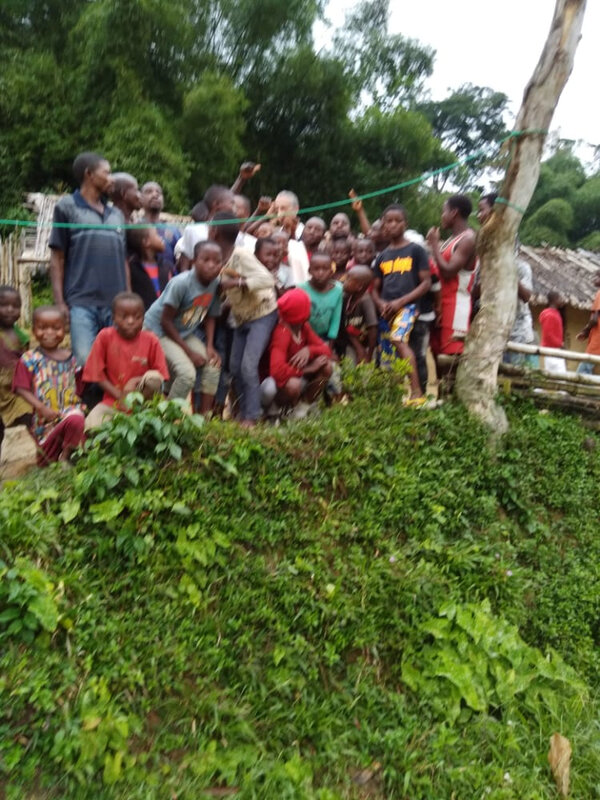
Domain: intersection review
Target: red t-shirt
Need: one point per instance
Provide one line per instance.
(117, 360)
(593, 346)
(284, 346)
(552, 328)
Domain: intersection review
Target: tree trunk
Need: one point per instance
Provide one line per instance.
(478, 370)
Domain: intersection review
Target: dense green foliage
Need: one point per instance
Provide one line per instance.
(565, 207)
(181, 91)
(372, 604)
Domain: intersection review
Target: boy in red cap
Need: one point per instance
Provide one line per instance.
(300, 362)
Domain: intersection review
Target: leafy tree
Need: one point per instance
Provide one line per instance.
(560, 176)
(550, 224)
(387, 69)
(469, 121)
(212, 128)
(586, 205)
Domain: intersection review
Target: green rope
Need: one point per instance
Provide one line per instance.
(26, 223)
(503, 201)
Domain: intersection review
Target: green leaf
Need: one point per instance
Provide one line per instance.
(107, 510)
(44, 608)
(69, 510)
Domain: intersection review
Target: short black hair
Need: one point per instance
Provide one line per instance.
(394, 207)
(490, 198)
(226, 230)
(83, 162)
(553, 296)
(461, 203)
(213, 193)
(9, 290)
(126, 297)
(261, 242)
(199, 246)
(135, 239)
(121, 180)
(45, 309)
(199, 212)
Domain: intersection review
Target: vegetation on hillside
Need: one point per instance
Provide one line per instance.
(371, 604)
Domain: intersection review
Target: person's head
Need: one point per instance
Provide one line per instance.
(152, 198)
(339, 227)
(199, 212)
(394, 222)
(456, 208)
(267, 252)
(241, 206)
(286, 204)
(10, 306)
(93, 170)
(125, 193)
(128, 314)
(294, 307)
(555, 299)
(219, 198)
(341, 251)
(597, 279)
(377, 235)
(144, 242)
(265, 230)
(358, 280)
(223, 230)
(313, 233)
(208, 261)
(486, 206)
(48, 326)
(320, 269)
(281, 239)
(364, 251)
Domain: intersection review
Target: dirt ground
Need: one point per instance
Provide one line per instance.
(18, 453)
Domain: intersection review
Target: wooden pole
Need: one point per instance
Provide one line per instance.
(536, 350)
(478, 371)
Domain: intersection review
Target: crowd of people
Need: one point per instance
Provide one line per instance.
(252, 309)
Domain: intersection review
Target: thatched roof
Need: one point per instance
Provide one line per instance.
(570, 272)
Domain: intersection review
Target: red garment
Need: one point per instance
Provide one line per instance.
(68, 432)
(593, 346)
(552, 328)
(117, 360)
(294, 307)
(284, 345)
(456, 302)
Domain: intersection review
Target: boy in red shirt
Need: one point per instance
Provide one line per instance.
(300, 362)
(551, 323)
(124, 359)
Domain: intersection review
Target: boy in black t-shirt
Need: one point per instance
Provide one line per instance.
(401, 279)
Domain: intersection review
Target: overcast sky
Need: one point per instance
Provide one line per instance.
(497, 44)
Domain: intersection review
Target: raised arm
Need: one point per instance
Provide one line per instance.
(359, 210)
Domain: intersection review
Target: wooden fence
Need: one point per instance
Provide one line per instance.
(16, 272)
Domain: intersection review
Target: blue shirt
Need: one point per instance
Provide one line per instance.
(94, 256)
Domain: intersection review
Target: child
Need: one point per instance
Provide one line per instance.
(13, 342)
(341, 251)
(149, 272)
(300, 363)
(45, 378)
(313, 234)
(285, 275)
(358, 330)
(124, 359)
(267, 252)
(250, 290)
(190, 300)
(401, 279)
(552, 325)
(363, 253)
(325, 298)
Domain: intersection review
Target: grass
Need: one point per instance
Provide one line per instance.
(371, 604)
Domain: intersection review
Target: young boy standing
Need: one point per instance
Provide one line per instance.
(45, 378)
(190, 300)
(13, 342)
(358, 330)
(124, 359)
(325, 298)
(401, 279)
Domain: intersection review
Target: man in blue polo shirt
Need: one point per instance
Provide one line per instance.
(87, 263)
